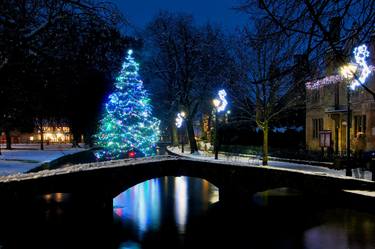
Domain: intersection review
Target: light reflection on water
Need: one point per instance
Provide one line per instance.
(145, 205)
(130, 245)
(342, 229)
(149, 207)
(175, 213)
(140, 204)
(181, 202)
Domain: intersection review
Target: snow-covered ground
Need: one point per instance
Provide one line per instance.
(278, 164)
(24, 157)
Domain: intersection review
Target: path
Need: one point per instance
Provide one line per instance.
(279, 164)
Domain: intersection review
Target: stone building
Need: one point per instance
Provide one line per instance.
(52, 133)
(326, 108)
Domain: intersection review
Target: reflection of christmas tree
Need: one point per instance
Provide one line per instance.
(128, 124)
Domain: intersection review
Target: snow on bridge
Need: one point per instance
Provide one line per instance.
(113, 177)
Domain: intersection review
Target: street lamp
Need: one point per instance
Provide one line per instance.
(354, 79)
(348, 72)
(220, 104)
(179, 123)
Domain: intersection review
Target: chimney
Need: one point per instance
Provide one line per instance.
(333, 55)
(335, 28)
(301, 69)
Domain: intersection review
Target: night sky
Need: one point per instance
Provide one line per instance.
(139, 12)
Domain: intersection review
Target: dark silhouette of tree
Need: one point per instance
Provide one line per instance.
(325, 27)
(186, 62)
(263, 91)
(49, 51)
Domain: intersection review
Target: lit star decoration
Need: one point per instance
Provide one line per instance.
(360, 54)
(221, 103)
(128, 123)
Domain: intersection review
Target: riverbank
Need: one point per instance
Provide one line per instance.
(27, 157)
(254, 160)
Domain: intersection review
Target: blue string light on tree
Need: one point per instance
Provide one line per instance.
(128, 124)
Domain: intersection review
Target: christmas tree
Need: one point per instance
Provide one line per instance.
(128, 125)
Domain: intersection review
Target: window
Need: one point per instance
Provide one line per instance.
(359, 124)
(337, 95)
(317, 126)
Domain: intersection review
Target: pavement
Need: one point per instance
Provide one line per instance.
(253, 160)
(24, 157)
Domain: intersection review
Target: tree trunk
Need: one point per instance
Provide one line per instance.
(265, 144)
(8, 139)
(41, 139)
(76, 138)
(190, 130)
(174, 133)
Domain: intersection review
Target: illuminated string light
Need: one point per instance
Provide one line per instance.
(329, 80)
(128, 124)
(360, 55)
(221, 103)
(180, 119)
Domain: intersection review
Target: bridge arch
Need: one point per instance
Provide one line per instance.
(111, 178)
(126, 185)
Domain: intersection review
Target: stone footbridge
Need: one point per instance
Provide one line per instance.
(113, 177)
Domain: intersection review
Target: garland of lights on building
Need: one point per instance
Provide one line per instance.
(128, 126)
(360, 55)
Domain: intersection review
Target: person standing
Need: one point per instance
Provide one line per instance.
(359, 149)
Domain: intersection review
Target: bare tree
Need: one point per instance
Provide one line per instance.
(325, 26)
(40, 125)
(35, 36)
(264, 90)
(187, 60)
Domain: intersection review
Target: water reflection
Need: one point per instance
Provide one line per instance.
(130, 245)
(140, 204)
(55, 197)
(146, 207)
(179, 212)
(342, 229)
(181, 202)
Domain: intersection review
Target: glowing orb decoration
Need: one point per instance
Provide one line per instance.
(348, 71)
(360, 55)
(221, 103)
(131, 154)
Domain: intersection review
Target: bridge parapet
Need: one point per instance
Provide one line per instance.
(113, 177)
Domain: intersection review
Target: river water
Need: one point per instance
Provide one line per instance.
(183, 212)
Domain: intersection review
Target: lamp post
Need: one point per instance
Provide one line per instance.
(216, 103)
(220, 104)
(348, 72)
(179, 124)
